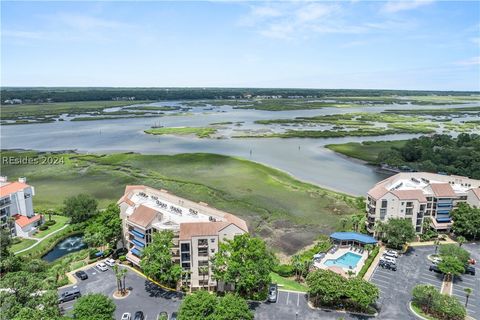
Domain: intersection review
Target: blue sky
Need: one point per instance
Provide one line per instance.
(349, 44)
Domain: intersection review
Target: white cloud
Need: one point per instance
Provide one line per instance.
(314, 11)
(402, 5)
(86, 22)
(473, 61)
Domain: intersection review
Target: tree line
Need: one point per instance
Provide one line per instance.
(438, 153)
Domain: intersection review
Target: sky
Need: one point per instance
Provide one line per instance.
(413, 45)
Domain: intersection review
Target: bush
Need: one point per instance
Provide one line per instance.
(16, 240)
(43, 227)
(122, 258)
(441, 306)
(285, 270)
(369, 262)
(107, 252)
(50, 222)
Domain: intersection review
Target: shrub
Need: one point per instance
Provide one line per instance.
(50, 222)
(369, 262)
(43, 227)
(16, 240)
(441, 306)
(122, 258)
(285, 270)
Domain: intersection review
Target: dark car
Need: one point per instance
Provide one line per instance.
(388, 265)
(82, 275)
(470, 270)
(272, 293)
(173, 316)
(434, 268)
(162, 316)
(69, 295)
(119, 252)
(139, 316)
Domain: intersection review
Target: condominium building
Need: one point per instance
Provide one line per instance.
(198, 230)
(416, 195)
(16, 207)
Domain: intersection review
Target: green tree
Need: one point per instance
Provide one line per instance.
(468, 293)
(157, 260)
(398, 232)
(455, 251)
(325, 287)
(361, 292)
(245, 262)
(466, 221)
(5, 243)
(80, 208)
(231, 307)
(461, 240)
(297, 266)
(369, 248)
(424, 296)
(94, 306)
(27, 292)
(197, 306)
(355, 221)
(451, 266)
(105, 228)
(343, 222)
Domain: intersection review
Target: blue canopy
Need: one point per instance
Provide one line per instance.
(136, 252)
(353, 236)
(138, 234)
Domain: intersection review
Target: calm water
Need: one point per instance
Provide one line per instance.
(66, 246)
(305, 159)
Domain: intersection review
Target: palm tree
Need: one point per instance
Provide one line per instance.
(297, 266)
(204, 272)
(355, 220)
(436, 243)
(369, 248)
(468, 292)
(350, 273)
(344, 222)
(379, 228)
(461, 240)
(120, 275)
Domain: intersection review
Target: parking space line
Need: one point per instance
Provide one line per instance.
(298, 299)
(288, 297)
(381, 275)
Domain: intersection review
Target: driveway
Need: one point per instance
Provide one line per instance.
(144, 296)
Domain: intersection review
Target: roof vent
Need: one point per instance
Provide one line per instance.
(22, 180)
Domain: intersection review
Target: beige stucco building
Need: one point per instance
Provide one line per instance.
(198, 229)
(416, 195)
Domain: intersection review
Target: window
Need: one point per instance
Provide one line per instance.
(384, 203)
(212, 250)
(212, 240)
(185, 247)
(409, 204)
(202, 252)
(202, 242)
(203, 263)
(186, 265)
(185, 256)
(403, 203)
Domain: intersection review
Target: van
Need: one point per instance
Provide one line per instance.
(69, 295)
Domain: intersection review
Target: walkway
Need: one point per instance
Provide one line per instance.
(40, 239)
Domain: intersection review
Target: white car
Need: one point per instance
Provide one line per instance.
(391, 253)
(126, 316)
(102, 266)
(389, 259)
(436, 260)
(110, 262)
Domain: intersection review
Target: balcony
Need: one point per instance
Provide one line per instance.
(136, 233)
(371, 219)
(441, 225)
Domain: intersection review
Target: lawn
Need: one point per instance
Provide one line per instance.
(287, 284)
(367, 150)
(288, 213)
(25, 243)
(60, 222)
(201, 132)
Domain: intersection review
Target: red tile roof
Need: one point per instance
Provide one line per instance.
(476, 191)
(443, 190)
(410, 195)
(191, 229)
(12, 187)
(143, 216)
(377, 192)
(24, 221)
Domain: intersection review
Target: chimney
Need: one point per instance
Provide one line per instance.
(22, 180)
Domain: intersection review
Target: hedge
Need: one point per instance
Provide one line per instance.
(369, 261)
(285, 270)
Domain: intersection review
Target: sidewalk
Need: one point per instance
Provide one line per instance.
(448, 240)
(374, 264)
(40, 239)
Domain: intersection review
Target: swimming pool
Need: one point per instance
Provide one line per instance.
(349, 260)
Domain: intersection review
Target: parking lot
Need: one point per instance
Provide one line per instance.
(412, 269)
(469, 281)
(145, 296)
(396, 286)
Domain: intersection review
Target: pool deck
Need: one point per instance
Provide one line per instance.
(338, 268)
